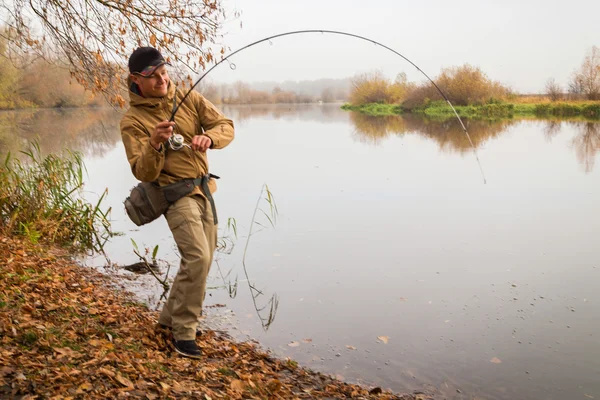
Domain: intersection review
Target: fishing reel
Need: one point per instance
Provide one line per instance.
(177, 142)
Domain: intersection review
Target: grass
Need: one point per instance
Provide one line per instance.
(375, 109)
(441, 110)
(40, 197)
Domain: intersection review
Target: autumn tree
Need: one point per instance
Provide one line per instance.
(96, 37)
(9, 80)
(586, 80)
(553, 90)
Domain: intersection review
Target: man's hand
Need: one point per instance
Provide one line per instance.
(161, 133)
(201, 143)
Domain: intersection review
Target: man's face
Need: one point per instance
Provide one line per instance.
(155, 85)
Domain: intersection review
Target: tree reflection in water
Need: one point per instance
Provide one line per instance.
(587, 144)
(91, 131)
(450, 137)
(448, 134)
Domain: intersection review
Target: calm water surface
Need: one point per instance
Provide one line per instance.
(392, 262)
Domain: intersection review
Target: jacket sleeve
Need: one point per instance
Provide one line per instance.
(146, 162)
(218, 128)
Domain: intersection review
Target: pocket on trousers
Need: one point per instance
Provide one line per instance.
(175, 220)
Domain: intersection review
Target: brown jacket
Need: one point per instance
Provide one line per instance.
(196, 116)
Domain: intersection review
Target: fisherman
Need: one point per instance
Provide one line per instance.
(147, 135)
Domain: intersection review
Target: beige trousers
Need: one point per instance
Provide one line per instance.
(191, 222)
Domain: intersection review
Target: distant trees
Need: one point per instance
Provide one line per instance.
(244, 93)
(38, 83)
(9, 80)
(327, 95)
(553, 90)
(586, 80)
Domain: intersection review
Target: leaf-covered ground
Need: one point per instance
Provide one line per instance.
(65, 332)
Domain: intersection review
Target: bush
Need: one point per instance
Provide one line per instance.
(469, 85)
(465, 85)
(369, 88)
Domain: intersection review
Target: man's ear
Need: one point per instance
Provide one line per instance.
(134, 78)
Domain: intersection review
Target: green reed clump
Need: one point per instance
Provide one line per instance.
(40, 198)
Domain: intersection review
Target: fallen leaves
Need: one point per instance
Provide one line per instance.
(65, 333)
(496, 361)
(384, 339)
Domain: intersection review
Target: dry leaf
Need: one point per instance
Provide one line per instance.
(274, 386)
(107, 372)
(384, 339)
(84, 387)
(294, 344)
(496, 360)
(124, 381)
(307, 340)
(350, 347)
(237, 386)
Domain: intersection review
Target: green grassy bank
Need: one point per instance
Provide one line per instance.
(440, 109)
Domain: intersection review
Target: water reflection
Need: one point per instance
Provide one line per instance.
(92, 131)
(448, 134)
(373, 130)
(552, 129)
(450, 137)
(328, 113)
(587, 144)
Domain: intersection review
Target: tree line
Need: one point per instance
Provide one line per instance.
(244, 93)
(468, 85)
(584, 82)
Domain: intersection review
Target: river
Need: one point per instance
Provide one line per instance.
(390, 260)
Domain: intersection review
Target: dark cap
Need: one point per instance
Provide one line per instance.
(144, 61)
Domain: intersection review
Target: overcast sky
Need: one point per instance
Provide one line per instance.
(519, 43)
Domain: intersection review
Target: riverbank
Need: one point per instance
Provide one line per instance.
(441, 110)
(69, 332)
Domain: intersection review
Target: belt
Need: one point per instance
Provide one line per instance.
(202, 181)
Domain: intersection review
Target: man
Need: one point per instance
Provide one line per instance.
(145, 131)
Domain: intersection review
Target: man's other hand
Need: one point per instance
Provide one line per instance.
(201, 143)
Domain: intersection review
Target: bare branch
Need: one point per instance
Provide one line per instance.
(97, 36)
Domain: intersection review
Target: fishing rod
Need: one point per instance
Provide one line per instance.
(176, 107)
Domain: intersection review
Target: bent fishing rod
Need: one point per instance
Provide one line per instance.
(176, 107)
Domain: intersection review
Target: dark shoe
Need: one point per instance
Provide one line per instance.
(187, 348)
(168, 328)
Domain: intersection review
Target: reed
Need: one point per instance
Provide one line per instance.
(41, 198)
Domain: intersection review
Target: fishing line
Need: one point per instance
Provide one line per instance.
(233, 66)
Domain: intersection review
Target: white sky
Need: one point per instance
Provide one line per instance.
(519, 43)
